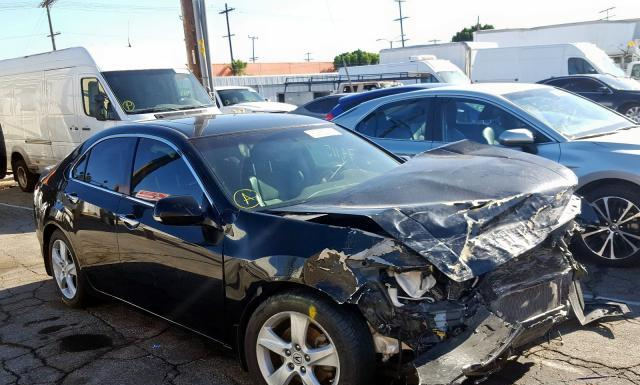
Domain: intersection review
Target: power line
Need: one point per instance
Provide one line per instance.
(606, 11)
(226, 14)
(253, 48)
(400, 19)
(308, 56)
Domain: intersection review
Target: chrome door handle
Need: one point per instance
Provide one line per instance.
(72, 197)
(129, 222)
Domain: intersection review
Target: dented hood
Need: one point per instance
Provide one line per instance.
(466, 207)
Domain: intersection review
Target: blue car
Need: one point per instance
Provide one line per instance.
(347, 102)
(601, 146)
(620, 94)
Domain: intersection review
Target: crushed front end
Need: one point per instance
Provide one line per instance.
(464, 266)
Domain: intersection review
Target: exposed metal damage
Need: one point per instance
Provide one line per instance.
(459, 273)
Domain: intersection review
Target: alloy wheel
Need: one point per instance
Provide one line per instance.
(64, 269)
(634, 113)
(292, 348)
(22, 177)
(617, 236)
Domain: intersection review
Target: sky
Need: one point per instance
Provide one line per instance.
(286, 29)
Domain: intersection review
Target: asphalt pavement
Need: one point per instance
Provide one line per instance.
(44, 342)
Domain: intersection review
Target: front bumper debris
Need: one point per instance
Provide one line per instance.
(489, 340)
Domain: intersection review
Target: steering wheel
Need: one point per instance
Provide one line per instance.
(338, 169)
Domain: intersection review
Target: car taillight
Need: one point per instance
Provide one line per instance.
(329, 116)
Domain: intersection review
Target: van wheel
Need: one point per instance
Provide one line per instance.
(3, 156)
(25, 178)
(300, 338)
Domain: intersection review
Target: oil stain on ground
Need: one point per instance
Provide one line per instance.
(84, 342)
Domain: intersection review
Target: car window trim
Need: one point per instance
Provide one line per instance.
(137, 136)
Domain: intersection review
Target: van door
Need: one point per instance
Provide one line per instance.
(29, 110)
(60, 116)
(88, 106)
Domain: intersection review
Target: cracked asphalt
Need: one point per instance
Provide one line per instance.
(44, 342)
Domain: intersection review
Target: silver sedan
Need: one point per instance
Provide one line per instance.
(601, 146)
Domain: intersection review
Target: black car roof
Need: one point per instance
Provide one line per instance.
(208, 125)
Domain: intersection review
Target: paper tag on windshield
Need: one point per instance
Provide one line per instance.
(322, 132)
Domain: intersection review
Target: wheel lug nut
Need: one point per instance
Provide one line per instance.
(306, 357)
(287, 352)
(303, 369)
(290, 366)
(297, 347)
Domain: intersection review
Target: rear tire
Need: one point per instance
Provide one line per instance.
(615, 241)
(25, 178)
(273, 349)
(70, 280)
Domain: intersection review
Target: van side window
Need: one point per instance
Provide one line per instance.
(94, 98)
(578, 65)
(428, 78)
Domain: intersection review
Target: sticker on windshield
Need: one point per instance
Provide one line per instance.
(128, 105)
(246, 198)
(322, 132)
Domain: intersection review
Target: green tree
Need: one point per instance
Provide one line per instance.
(356, 58)
(467, 33)
(238, 67)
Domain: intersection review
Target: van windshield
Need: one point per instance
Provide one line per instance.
(158, 90)
(454, 77)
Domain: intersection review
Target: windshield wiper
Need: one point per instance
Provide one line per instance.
(605, 133)
(167, 109)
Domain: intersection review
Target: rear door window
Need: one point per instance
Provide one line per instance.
(584, 85)
(406, 120)
(160, 171)
(108, 164)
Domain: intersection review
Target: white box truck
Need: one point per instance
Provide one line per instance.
(486, 62)
(52, 102)
(420, 68)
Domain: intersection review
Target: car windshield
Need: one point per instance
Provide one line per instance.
(239, 95)
(569, 114)
(454, 77)
(142, 91)
(627, 84)
(281, 167)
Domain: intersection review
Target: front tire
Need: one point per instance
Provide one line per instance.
(615, 241)
(300, 338)
(25, 178)
(69, 279)
(632, 111)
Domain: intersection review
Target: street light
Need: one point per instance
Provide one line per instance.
(390, 41)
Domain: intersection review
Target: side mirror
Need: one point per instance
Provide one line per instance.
(267, 99)
(516, 137)
(180, 210)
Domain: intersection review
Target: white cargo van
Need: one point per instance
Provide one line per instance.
(420, 69)
(51, 102)
(530, 64)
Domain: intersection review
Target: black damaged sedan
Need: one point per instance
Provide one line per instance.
(311, 252)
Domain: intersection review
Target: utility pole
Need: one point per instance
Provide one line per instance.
(253, 48)
(226, 14)
(387, 40)
(308, 55)
(194, 22)
(47, 4)
(606, 12)
(434, 41)
(400, 19)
